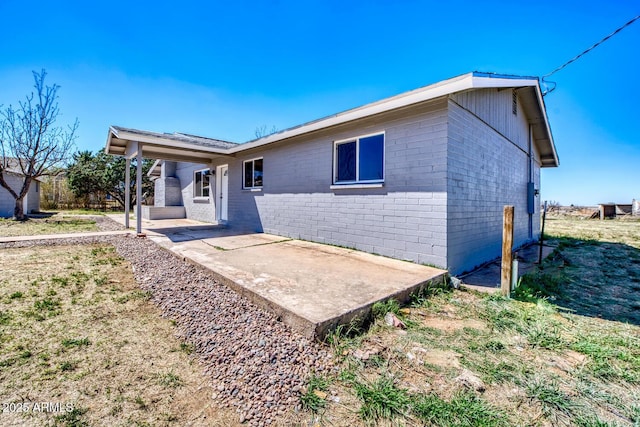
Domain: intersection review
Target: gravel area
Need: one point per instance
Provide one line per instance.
(107, 224)
(255, 363)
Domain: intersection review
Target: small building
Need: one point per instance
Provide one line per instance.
(422, 176)
(635, 207)
(614, 210)
(14, 177)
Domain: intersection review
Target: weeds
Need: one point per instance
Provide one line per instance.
(381, 308)
(381, 399)
(73, 418)
(76, 342)
(314, 399)
(464, 409)
(555, 404)
(170, 380)
(16, 295)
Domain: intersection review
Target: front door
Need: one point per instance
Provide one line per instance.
(222, 190)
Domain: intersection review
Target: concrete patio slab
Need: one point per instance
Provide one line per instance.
(312, 287)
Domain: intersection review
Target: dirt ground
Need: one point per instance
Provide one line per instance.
(81, 344)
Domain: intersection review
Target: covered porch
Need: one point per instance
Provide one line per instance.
(134, 144)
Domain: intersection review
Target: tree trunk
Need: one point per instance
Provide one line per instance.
(18, 211)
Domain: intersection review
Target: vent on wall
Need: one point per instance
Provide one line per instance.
(514, 102)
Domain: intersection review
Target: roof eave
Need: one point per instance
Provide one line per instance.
(456, 84)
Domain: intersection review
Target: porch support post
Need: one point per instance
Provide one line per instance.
(139, 191)
(127, 192)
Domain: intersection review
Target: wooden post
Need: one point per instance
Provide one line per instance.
(507, 248)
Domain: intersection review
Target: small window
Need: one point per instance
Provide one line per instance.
(252, 171)
(201, 183)
(514, 102)
(359, 160)
(37, 187)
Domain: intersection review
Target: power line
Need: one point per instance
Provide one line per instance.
(575, 58)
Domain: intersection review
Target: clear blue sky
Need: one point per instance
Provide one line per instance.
(224, 68)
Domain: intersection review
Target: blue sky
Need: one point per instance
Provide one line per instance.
(223, 69)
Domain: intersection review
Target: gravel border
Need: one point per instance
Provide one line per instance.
(104, 223)
(254, 362)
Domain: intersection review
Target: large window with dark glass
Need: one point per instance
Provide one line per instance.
(252, 170)
(201, 183)
(359, 160)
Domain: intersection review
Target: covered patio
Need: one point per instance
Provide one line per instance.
(138, 145)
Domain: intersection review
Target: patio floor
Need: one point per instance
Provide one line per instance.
(312, 287)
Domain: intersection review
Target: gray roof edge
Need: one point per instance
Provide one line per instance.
(179, 136)
(468, 81)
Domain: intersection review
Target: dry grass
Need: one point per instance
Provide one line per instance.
(541, 363)
(598, 264)
(55, 224)
(625, 230)
(76, 330)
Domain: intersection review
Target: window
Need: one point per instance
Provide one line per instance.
(359, 160)
(252, 170)
(201, 183)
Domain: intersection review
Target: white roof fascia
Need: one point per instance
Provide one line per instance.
(543, 109)
(480, 82)
(163, 141)
(418, 95)
(446, 87)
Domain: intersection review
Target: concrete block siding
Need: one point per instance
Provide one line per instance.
(404, 219)
(450, 167)
(487, 171)
(200, 209)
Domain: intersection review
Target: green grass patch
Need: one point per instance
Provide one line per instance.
(381, 399)
(556, 405)
(76, 342)
(314, 398)
(380, 308)
(170, 380)
(464, 409)
(73, 418)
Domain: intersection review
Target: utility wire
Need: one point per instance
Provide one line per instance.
(575, 58)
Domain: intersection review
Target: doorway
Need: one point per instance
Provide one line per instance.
(222, 191)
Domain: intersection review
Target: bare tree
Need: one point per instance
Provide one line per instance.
(30, 143)
(262, 131)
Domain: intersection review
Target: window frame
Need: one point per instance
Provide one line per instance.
(253, 187)
(358, 182)
(201, 187)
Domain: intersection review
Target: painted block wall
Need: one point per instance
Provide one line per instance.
(486, 171)
(33, 199)
(200, 209)
(167, 188)
(7, 202)
(405, 219)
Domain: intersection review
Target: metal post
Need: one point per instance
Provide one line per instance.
(127, 192)
(139, 190)
(544, 219)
